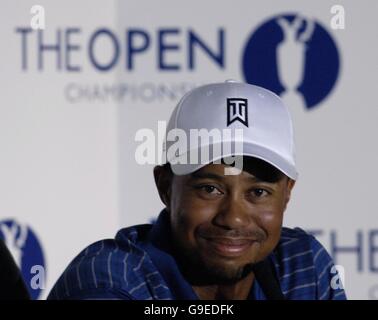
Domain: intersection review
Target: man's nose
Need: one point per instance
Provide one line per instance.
(233, 214)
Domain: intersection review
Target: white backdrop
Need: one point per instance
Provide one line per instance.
(67, 127)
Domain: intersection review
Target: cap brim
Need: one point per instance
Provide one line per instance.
(179, 167)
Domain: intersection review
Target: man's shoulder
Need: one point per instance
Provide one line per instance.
(298, 242)
(111, 268)
(297, 247)
(125, 247)
(304, 267)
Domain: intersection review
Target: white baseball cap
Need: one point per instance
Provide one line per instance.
(259, 114)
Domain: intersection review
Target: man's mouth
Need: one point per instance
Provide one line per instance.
(230, 247)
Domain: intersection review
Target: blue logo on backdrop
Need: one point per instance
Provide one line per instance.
(27, 253)
(293, 56)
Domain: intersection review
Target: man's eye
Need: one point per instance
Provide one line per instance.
(259, 193)
(210, 189)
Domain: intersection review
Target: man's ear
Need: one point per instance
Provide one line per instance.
(163, 180)
(290, 186)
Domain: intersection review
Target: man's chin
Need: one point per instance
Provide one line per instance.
(230, 274)
(216, 273)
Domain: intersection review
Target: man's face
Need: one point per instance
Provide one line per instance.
(222, 224)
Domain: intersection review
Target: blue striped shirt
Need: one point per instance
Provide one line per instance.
(137, 264)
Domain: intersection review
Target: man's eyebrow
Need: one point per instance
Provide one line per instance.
(254, 179)
(258, 180)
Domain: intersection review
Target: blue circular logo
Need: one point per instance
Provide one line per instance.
(27, 253)
(294, 57)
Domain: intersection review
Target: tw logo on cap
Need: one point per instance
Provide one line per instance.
(237, 110)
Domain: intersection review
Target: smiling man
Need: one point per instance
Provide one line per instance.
(224, 224)
(220, 235)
